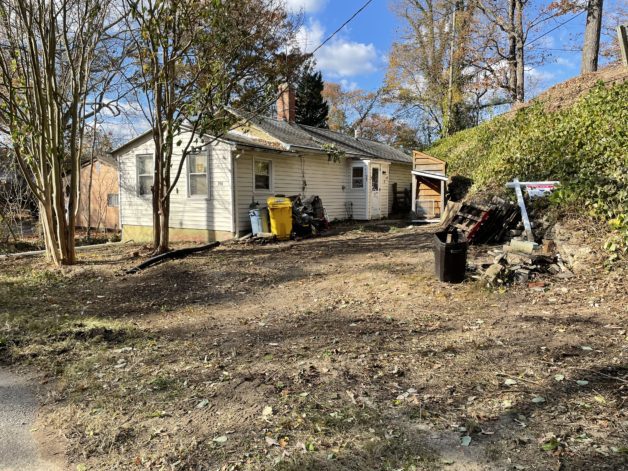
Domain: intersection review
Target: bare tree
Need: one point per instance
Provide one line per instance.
(426, 71)
(53, 52)
(194, 60)
(16, 199)
(502, 42)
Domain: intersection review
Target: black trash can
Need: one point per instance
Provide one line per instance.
(450, 257)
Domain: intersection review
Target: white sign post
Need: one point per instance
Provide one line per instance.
(517, 185)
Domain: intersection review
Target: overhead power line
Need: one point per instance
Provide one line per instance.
(560, 25)
(275, 97)
(343, 25)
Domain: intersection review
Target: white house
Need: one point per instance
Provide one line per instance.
(260, 158)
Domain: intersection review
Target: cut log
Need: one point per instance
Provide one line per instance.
(174, 255)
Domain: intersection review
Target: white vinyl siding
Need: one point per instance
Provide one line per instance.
(307, 175)
(213, 212)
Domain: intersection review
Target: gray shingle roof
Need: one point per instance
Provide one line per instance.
(300, 135)
(360, 145)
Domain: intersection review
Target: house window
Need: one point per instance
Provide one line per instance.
(375, 179)
(197, 175)
(263, 170)
(144, 174)
(113, 200)
(357, 177)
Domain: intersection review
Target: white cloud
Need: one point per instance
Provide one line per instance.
(339, 57)
(347, 58)
(309, 36)
(305, 6)
(539, 75)
(348, 86)
(565, 62)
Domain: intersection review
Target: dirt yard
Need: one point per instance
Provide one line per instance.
(337, 353)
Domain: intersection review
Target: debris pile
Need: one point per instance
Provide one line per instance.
(304, 218)
(521, 262)
(485, 223)
(527, 255)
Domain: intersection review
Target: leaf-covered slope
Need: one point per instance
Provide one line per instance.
(584, 146)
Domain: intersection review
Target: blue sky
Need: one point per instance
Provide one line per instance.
(357, 56)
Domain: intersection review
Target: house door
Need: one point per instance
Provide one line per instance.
(376, 207)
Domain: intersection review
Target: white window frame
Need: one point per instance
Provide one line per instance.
(271, 177)
(363, 187)
(209, 189)
(138, 175)
(116, 199)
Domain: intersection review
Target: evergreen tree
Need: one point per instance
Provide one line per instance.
(311, 107)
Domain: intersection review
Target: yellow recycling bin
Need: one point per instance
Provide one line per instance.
(280, 210)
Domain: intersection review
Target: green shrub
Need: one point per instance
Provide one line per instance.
(584, 146)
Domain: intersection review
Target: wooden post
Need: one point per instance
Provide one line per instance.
(413, 196)
(442, 198)
(622, 36)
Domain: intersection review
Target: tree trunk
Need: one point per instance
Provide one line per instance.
(593, 28)
(519, 52)
(89, 185)
(164, 219)
(156, 219)
(450, 86)
(512, 52)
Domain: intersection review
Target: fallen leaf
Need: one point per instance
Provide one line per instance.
(267, 412)
(538, 400)
(551, 444)
(510, 382)
(586, 348)
(599, 399)
(202, 404)
(221, 439)
(271, 442)
(559, 377)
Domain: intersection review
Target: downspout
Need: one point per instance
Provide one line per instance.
(119, 195)
(234, 199)
(367, 188)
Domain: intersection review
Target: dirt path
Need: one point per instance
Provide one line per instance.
(341, 353)
(18, 410)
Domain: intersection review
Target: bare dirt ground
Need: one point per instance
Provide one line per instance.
(337, 353)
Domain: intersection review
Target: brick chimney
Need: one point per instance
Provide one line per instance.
(286, 104)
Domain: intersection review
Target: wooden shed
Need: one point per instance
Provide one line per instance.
(429, 184)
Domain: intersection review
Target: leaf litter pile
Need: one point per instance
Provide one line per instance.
(337, 353)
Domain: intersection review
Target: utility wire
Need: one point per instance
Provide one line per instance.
(560, 25)
(343, 25)
(253, 114)
(362, 8)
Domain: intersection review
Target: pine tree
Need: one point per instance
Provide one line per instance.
(312, 109)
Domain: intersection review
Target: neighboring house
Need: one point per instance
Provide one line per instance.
(261, 158)
(100, 209)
